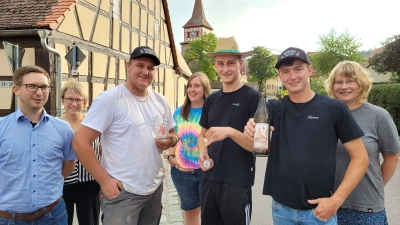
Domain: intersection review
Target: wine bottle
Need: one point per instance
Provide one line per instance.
(261, 136)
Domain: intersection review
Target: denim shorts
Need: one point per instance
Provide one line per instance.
(351, 216)
(283, 215)
(188, 186)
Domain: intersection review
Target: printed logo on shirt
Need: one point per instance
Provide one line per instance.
(236, 104)
(312, 117)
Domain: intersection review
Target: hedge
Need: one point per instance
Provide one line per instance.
(387, 96)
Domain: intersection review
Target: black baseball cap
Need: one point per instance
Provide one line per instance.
(292, 52)
(145, 51)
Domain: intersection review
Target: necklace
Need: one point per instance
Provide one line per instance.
(141, 99)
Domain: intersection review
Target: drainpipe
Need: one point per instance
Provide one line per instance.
(177, 87)
(43, 37)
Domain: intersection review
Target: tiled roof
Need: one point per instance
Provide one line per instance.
(373, 53)
(198, 17)
(17, 14)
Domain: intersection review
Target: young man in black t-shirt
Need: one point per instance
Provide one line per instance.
(301, 166)
(226, 185)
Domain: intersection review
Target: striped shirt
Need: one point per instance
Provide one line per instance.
(80, 174)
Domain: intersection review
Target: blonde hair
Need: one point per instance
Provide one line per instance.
(354, 70)
(205, 83)
(77, 87)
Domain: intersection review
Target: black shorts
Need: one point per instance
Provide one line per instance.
(225, 204)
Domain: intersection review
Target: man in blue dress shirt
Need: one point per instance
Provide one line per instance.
(35, 155)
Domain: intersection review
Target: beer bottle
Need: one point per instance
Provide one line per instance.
(261, 136)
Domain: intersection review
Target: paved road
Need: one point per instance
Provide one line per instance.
(262, 204)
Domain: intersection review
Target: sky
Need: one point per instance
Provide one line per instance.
(279, 24)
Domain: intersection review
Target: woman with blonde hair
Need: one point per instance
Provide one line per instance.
(350, 83)
(80, 188)
(183, 158)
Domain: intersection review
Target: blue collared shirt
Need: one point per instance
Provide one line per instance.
(31, 161)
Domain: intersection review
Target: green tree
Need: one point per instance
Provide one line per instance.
(261, 66)
(333, 49)
(197, 59)
(317, 84)
(388, 61)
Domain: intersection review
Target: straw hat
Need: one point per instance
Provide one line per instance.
(228, 46)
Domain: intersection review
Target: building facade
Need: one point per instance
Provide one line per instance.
(106, 31)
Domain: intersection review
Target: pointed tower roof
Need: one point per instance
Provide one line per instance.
(198, 18)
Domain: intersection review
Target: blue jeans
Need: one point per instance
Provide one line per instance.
(188, 186)
(57, 216)
(283, 215)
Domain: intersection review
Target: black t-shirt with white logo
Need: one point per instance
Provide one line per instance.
(302, 160)
(232, 163)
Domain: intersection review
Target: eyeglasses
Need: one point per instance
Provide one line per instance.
(34, 87)
(348, 82)
(72, 100)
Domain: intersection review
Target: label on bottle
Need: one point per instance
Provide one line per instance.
(261, 136)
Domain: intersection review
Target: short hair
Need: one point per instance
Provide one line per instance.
(354, 70)
(77, 87)
(205, 83)
(22, 71)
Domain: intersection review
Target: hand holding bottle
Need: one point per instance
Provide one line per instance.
(250, 129)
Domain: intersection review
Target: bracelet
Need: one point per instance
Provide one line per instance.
(170, 155)
(176, 141)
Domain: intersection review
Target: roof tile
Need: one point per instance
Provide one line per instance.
(32, 13)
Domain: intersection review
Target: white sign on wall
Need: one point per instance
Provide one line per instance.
(6, 84)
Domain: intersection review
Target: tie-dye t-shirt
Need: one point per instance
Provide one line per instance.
(187, 153)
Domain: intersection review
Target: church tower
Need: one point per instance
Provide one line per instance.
(196, 26)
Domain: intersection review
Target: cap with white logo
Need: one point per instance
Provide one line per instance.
(145, 51)
(292, 53)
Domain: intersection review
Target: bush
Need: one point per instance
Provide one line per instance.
(387, 96)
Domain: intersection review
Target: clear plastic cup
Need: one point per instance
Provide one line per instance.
(160, 122)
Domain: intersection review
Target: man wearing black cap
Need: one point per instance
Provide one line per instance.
(301, 166)
(131, 171)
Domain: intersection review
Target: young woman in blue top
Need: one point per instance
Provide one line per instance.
(183, 158)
